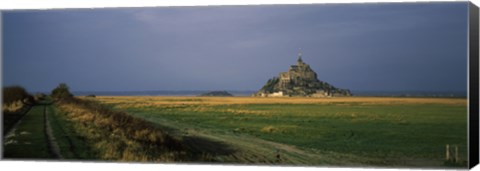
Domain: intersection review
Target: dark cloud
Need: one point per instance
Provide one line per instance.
(418, 46)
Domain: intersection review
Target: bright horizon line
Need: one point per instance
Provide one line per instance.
(193, 90)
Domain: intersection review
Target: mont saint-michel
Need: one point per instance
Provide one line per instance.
(223, 84)
(300, 80)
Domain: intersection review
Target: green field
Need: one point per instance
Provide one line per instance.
(350, 131)
(72, 146)
(28, 139)
(11, 118)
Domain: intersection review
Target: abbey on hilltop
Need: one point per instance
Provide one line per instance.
(299, 80)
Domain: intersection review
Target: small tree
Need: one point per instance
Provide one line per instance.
(61, 92)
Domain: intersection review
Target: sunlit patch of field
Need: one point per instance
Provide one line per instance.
(176, 101)
(378, 131)
(171, 100)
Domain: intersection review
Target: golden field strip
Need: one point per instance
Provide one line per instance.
(141, 101)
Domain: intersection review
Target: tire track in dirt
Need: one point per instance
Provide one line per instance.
(51, 141)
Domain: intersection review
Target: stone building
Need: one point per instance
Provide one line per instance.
(299, 80)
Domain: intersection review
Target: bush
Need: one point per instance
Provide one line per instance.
(14, 93)
(15, 98)
(61, 92)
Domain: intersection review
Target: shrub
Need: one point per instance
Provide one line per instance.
(61, 92)
(14, 93)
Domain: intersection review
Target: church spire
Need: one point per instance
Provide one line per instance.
(300, 56)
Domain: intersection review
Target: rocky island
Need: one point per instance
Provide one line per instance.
(217, 94)
(301, 81)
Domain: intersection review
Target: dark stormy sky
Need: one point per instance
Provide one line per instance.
(382, 47)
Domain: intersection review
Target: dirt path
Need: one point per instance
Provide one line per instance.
(237, 148)
(52, 142)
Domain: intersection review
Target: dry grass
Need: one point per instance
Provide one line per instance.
(117, 136)
(268, 129)
(13, 107)
(151, 101)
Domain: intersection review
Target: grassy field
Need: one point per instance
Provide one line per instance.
(349, 131)
(72, 146)
(28, 139)
(11, 118)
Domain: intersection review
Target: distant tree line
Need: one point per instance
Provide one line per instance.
(14, 94)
